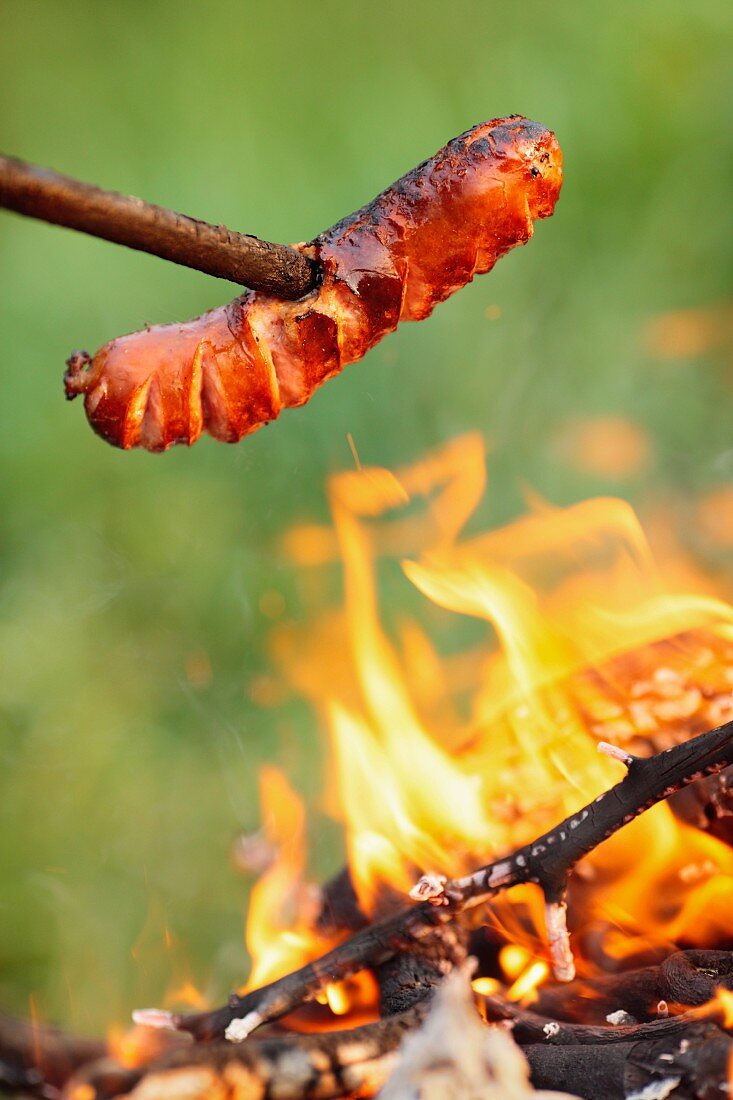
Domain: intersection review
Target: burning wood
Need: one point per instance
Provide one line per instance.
(601, 657)
(336, 1064)
(546, 861)
(36, 1059)
(683, 978)
(692, 1066)
(599, 670)
(302, 1067)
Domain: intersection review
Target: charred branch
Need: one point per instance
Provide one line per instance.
(37, 1060)
(690, 1066)
(339, 909)
(530, 1027)
(291, 1067)
(685, 978)
(406, 979)
(448, 1048)
(547, 862)
(708, 805)
(587, 1059)
(214, 249)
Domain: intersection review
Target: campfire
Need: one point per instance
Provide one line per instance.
(506, 884)
(530, 730)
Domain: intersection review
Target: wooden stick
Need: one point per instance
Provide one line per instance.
(546, 861)
(41, 193)
(688, 977)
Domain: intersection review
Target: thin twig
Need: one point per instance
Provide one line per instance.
(691, 977)
(546, 861)
(214, 249)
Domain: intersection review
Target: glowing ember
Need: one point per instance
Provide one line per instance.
(485, 986)
(442, 760)
(524, 987)
(135, 1046)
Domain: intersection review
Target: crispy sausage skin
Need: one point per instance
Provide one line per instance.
(235, 367)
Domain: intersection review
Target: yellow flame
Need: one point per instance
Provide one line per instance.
(485, 987)
(187, 994)
(513, 959)
(724, 1002)
(444, 756)
(523, 989)
(278, 933)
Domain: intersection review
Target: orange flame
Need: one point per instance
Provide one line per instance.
(279, 934)
(136, 1046)
(443, 760)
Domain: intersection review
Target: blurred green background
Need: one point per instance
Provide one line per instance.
(131, 585)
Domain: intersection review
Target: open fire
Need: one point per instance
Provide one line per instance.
(441, 762)
(500, 870)
(464, 735)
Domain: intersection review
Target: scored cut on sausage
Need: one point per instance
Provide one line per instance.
(236, 367)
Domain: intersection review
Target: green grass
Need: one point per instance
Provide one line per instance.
(122, 785)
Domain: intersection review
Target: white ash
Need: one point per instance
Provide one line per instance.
(501, 874)
(656, 1090)
(430, 887)
(243, 1026)
(620, 1018)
